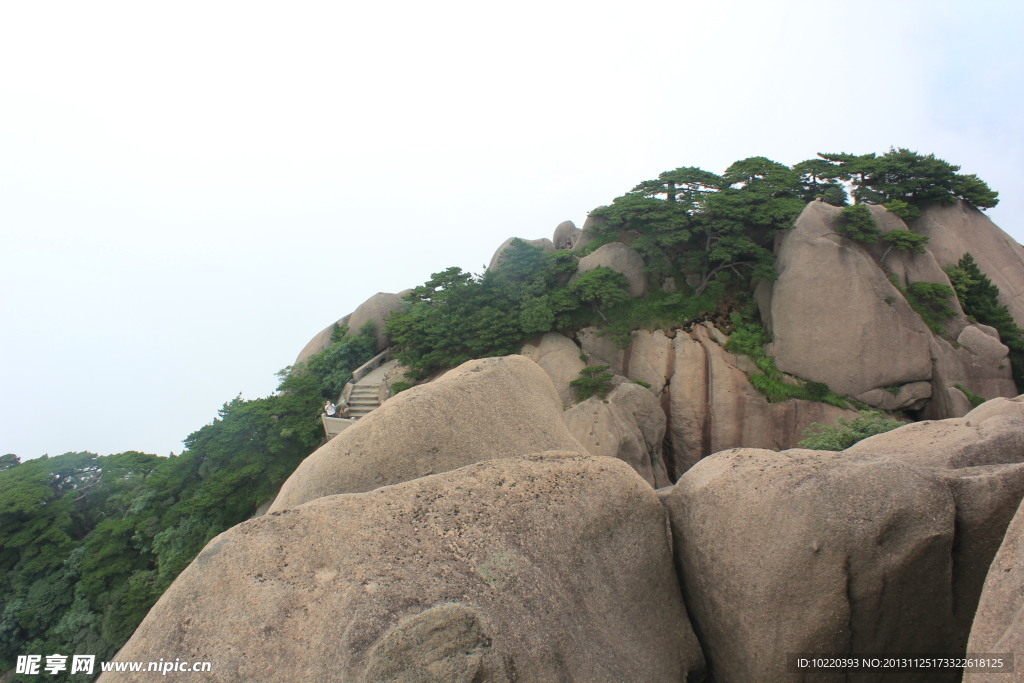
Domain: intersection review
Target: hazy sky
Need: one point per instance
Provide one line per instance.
(190, 191)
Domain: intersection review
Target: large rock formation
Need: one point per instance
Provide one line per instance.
(319, 342)
(708, 398)
(621, 258)
(566, 235)
(629, 424)
(560, 358)
(878, 549)
(546, 567)
(999, 623)
(376, 310)
(954, 230)
(484, 409)
(835, 316)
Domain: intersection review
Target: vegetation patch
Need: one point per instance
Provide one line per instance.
(594, 380)
(930, 300)
(971, 396)
(847, 432)
(905, 240)
(980, 300)
(857, 223)
(748, 338)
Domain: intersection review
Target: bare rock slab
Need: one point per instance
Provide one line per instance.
(836, 318)
(546, 567)
(999, 623)
(881, 548)
(628, 425)
(483, 409)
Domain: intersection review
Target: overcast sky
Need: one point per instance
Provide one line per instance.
(190, 191)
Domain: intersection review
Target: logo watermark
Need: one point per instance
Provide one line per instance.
(86, 664)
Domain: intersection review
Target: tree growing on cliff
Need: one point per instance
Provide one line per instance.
(691, 222)
(979, 298)
(904, 175)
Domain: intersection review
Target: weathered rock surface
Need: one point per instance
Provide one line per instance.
(320, 342)
(958, 229)
(559, 357)
(836, 318)
(546, 567)
(498, 257)
(708, 399)
(628, 425)
(880, 548)
(586, 235)
(999, 622)
(376, 310)
(978, 362)
(483, 409)
(619, 257)
(600, 349)
(566, 235)
(911, 396)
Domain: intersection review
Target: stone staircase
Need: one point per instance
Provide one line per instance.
(364, 398)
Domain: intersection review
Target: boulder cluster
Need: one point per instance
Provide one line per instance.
(462, 532)
(487, 526)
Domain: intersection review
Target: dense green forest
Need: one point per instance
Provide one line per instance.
(88, 542)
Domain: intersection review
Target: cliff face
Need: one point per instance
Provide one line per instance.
(837, 317)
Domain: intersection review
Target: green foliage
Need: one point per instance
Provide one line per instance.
(456, 316)
(748, 338)
(971, 396)
(88, 543)
(331, 368)
(902, 209)
(980, 300)
(904, 175)
(399, 387)
(835, 195)
(593, 381)
(845, 432)
(907, 241)
(690, 222)
(857, 223)
(930, 300)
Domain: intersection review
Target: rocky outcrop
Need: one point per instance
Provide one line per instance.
(586, 235)
(629, 425)
(484, 409)
(836, 318)
(376, 310)
(709, 400)
(560, 358)
(621, 258)
(545, 567)
(876, 549)
(601, 349)
(320, 342)
(566, 235)
(499, 253)
(977, 362)
(954, 230)
(999, 623)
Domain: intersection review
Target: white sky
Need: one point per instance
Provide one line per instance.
(189, 191)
